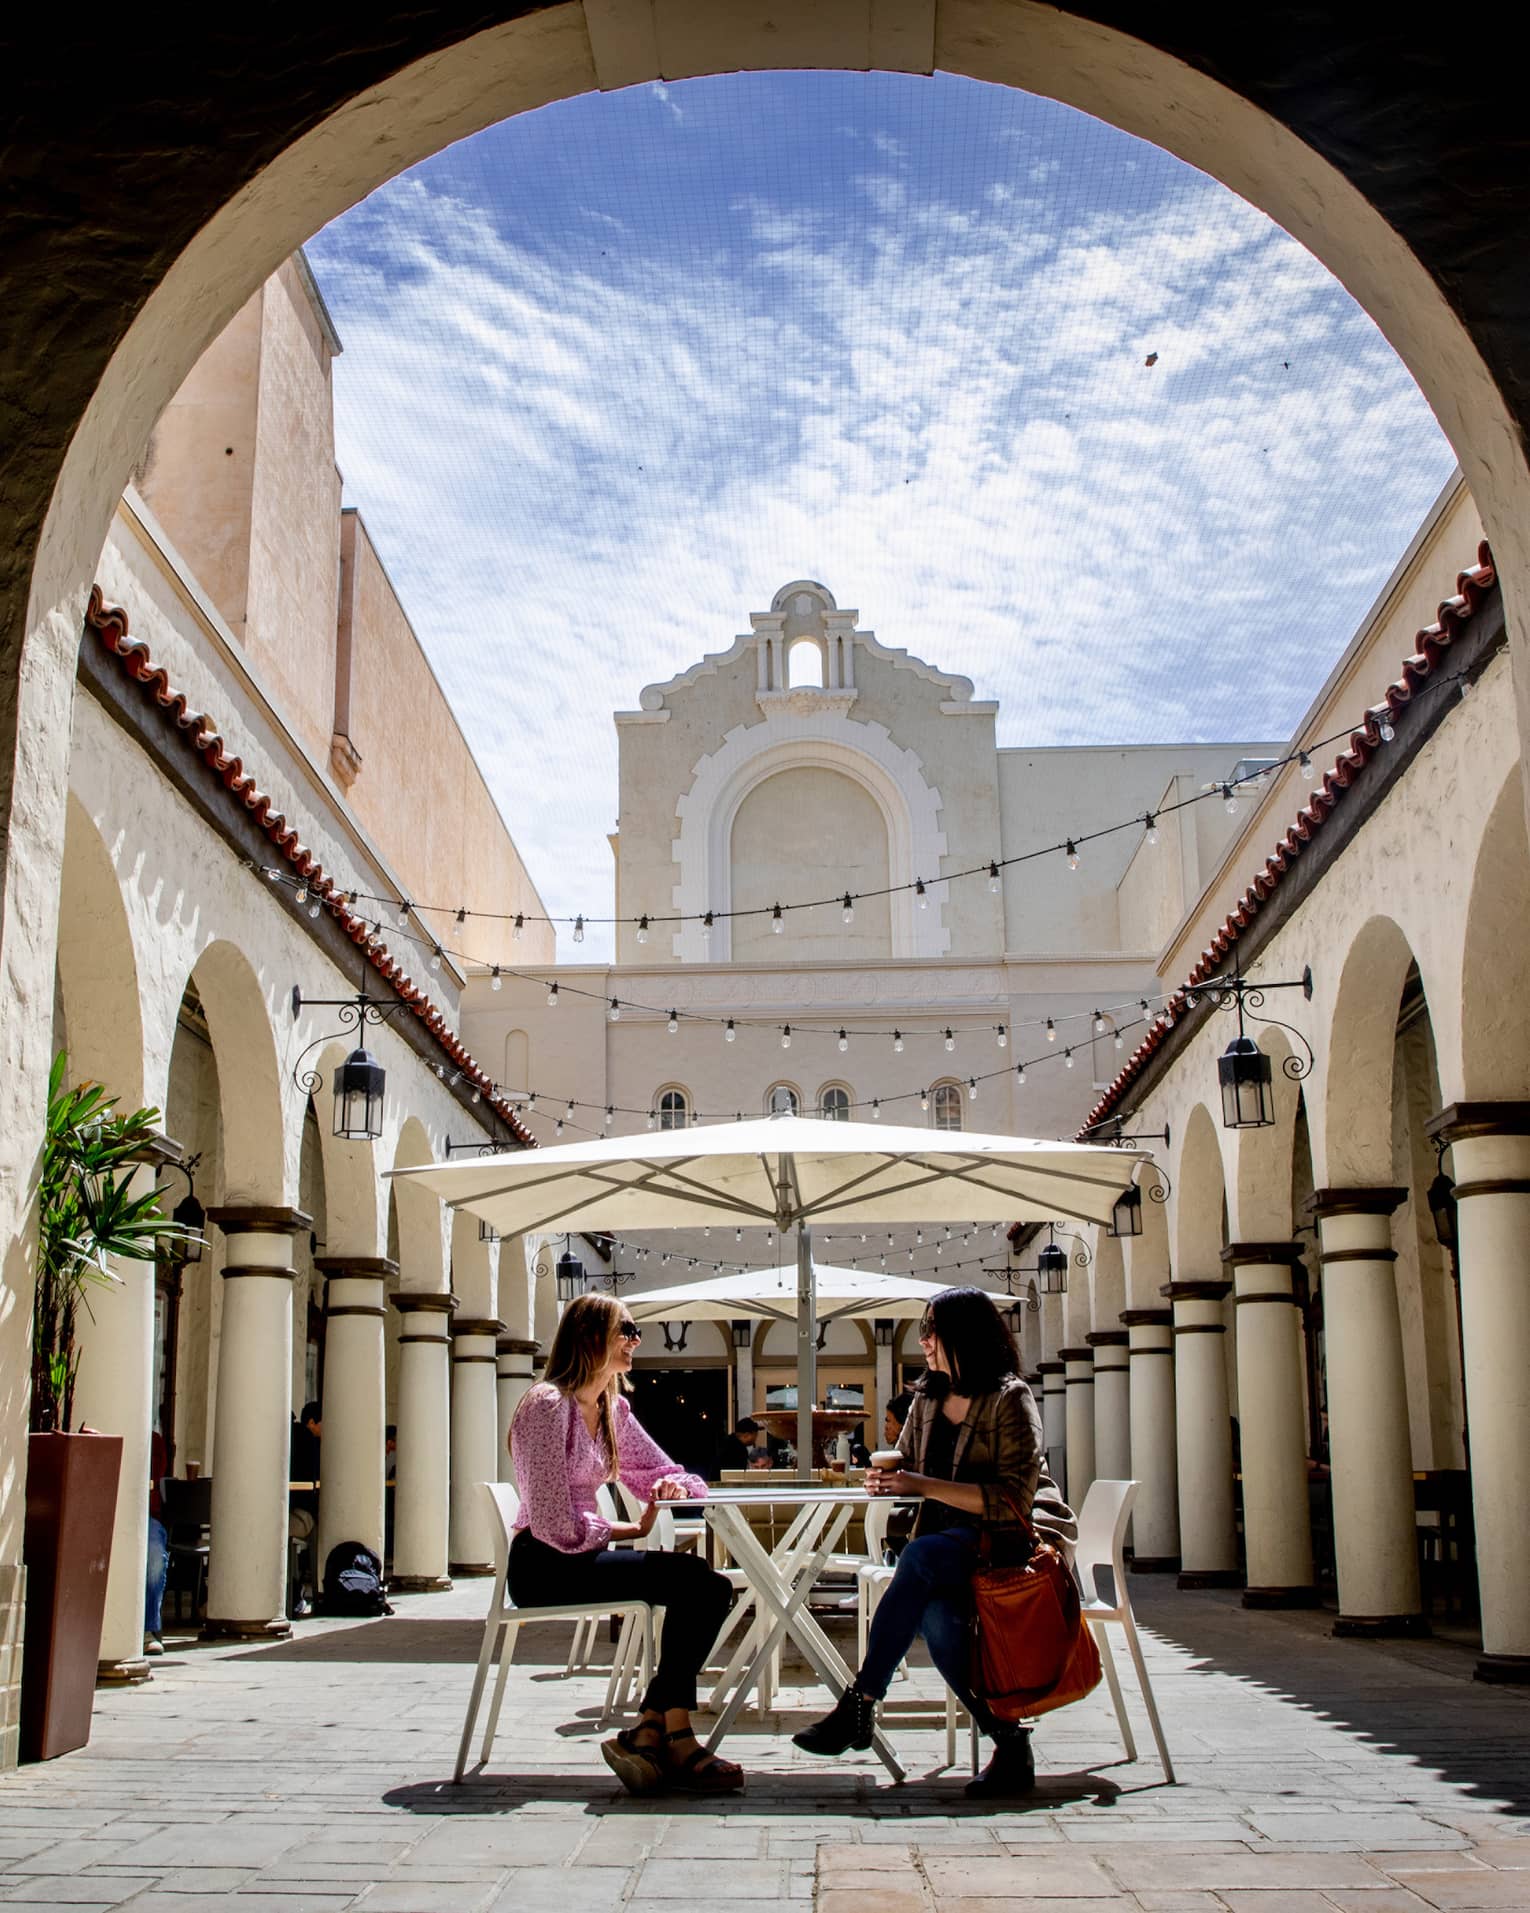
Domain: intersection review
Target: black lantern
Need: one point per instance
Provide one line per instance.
(742, 1333)
(359, 1085)
(1442, 1207)
(1052, 1270)
(1248, 1100)
(1126, 1214)
(885, 1330)
(569, 1274)
(189, 1216)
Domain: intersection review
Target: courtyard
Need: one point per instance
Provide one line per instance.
(1314, 1774)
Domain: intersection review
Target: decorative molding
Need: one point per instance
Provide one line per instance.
(749, 754)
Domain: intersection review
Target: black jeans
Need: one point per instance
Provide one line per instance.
(694, 1597)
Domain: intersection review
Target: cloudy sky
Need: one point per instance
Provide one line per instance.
(616, 370)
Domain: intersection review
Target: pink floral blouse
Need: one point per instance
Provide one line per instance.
(559, 1465)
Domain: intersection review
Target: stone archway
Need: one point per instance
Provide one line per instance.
(1380, 157)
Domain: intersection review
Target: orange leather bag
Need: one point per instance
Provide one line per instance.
(1031, 1648)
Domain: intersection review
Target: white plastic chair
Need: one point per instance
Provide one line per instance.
(504, 1618)
(1101, 1535)
(586, 1632)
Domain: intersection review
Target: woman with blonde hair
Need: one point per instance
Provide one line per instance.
(572, 1432)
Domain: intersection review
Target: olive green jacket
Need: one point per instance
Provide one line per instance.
(998, 1448)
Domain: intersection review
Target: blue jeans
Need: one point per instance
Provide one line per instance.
(158, 1569)
(930, 1594)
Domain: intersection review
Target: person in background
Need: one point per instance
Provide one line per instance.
(760, 1458)
(737, 1450)
(303, 1506)
(303, 1447)
(896, 1416)
(573, 1431)
(158, 1566)
(390, 1452)
(972, 1451)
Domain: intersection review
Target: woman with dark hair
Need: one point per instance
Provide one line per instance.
(972, 1451)
(572, 1432)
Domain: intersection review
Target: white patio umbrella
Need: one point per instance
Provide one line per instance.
(785, 1172)
(838, 1295)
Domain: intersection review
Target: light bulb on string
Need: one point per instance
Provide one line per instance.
(776, 922)
(993, 879)
(1002, 1037)
(579, 929)
(673, 1024)
(1384, 726)
(1051, 1031)
(552, 996)
(919, 897)
(847, 909)
(1072, 855)
(518, 926)
(610, 1114)
(435, 957)
(876, 1109)
(613, 1015)
(1150, 835)
(1229, 800)
(950, 1041)
(706, 927)
(1019, 1076)
(1068, 1058)
(301, 893)
(971, 1089)
(315, 908)
(924, 1099)
(404, 909)
(729, 1032)
(642, 930)
(650, 1119)
(897, 1042)
(496, 981)
(1099, 1022)
(844, 1042)
(786, 1036)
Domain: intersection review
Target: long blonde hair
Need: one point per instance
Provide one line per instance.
(581, 1347)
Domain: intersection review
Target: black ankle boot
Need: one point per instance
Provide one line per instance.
(848, 1726)
(1011, 1770)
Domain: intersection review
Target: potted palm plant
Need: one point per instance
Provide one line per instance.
(88, 1217)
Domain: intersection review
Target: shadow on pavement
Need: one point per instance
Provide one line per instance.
(1413, 1699)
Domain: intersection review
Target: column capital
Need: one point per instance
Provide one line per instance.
(1147, 1318)
(1459, 1122)
(478, 1325)
(259, 1219)
(1117, 1337)
(363, 1265)
(411, 1301)
(1198, 1291)
(1237, 1255)
(514, 1345)
(1075, 1354)
(1353, 1202)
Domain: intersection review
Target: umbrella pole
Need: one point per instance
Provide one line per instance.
(807, 1353)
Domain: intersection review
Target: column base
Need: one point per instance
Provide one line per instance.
(246, 1630)
(1153, 1564)
(126, 1672)
(470, 1570)
(1192, 1579)
(1504, 1670)
(1382, 1627)
(419, 1583)
(1281, 1597)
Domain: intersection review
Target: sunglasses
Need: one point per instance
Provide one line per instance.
(629, 1331)
(926, 1331)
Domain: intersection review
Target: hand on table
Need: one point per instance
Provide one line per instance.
(669, 1490)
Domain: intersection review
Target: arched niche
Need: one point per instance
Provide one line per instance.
(1356, 1137)
(810, 830)
(100, 1022)
(1495, 971)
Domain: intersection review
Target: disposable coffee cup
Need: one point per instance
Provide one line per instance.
(888, 1460)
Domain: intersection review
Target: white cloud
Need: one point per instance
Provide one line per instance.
(585, 470)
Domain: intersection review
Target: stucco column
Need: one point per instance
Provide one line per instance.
(421, 1465)
(512, 1377)
(1078, 1422)
(247, 1567)
(1208, 1534)
(1155, 1446)
(884, 1387)
(1054, 1417)
(475, 1442)
(1490, 1161)
(1112, 1406)
(1369, 1441)
(113, 1393)
(1277, 1523)
(354, 1404)
(743, 1378)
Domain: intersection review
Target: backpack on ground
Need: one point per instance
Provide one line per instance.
(353, 1583)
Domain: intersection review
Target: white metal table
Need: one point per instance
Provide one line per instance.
(780, 1581)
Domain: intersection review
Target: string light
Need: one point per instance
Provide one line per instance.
(847, 911)
(518, 926)
(786, 1036)
(642, 930)
(1072, 855)
(435, 957)
(1099, 1023)
(706, 928)
(972, 1089)
(844, 1042)
(1051, 1031)
(1003, 1037)
(579, 929)
(776, 923)
(1384, 728)
(552, 996)
(729, 1031)
(919, 895)
(613, 1014)
(993, 880)
(950, 1041)
(673, 1024)
(897, 1042)
(1229, 801)
(1150, 835)
(496, 981)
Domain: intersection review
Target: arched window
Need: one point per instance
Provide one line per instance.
(806, 662)
(782, 1100)
(834, 1102)
(946, 1106)
(674, 1108)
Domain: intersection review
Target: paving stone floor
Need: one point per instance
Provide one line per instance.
(314, 1774)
